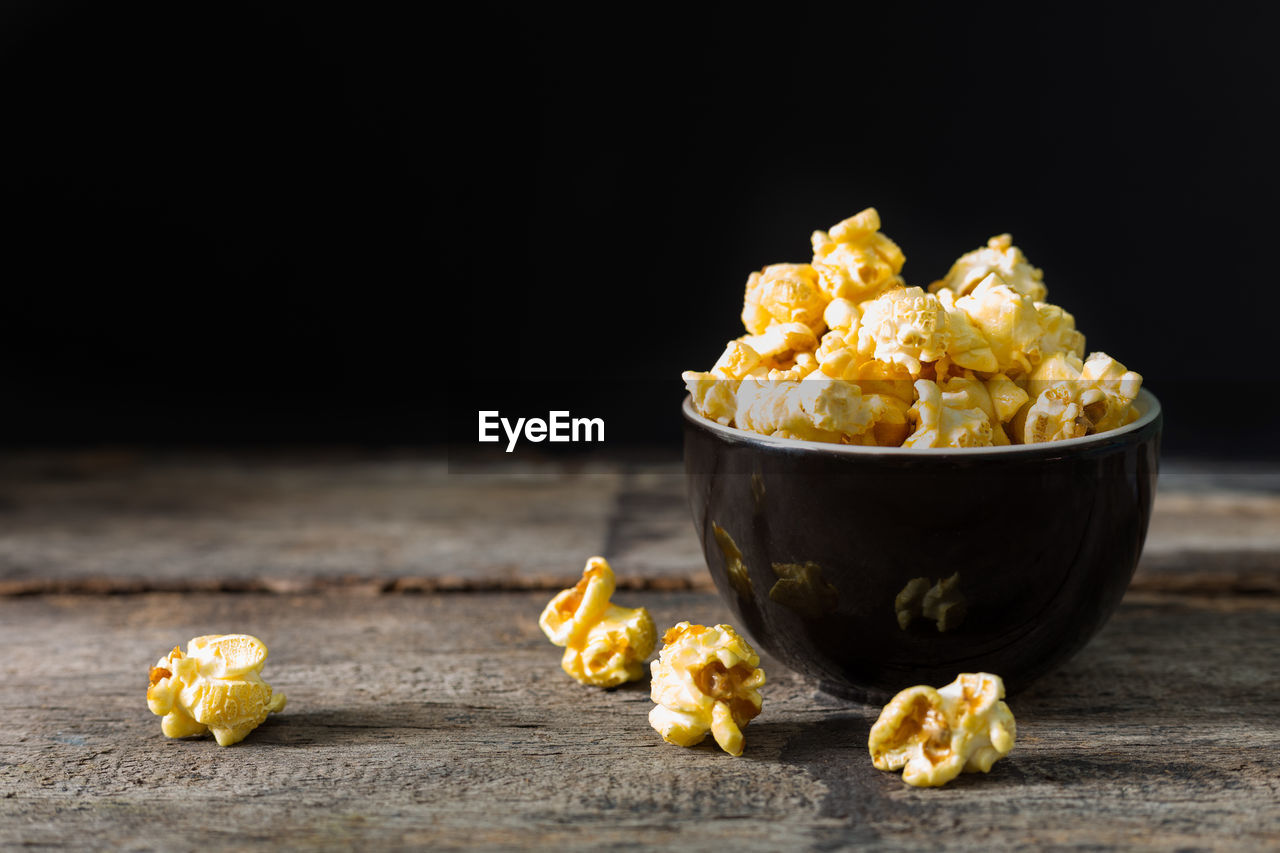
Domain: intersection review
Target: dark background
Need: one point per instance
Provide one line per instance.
(244, 224)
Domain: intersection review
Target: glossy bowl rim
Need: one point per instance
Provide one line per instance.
(1146, 402)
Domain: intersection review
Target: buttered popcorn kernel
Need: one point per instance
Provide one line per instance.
(848, 319)
(854, 260)
(783, 293)
(934, 735)
(949, 419)
(1001, 257)
(604, 645)
(705, 680)
(215, 687)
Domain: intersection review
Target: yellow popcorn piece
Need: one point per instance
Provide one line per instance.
(815, 408)
(604, 645)
(1058, 332)
(705, 680)
(714, 393)
(1054, 416)
(783, 293)
(215, 687)
(1008, 320)
(1059, 368)
(830, 343)
(949, 419)
(877, 377)
(835, 356)
(1109, 393)
(737, 360)
(842, 315)
(803, 365)
(782, 341)
(966, 347)
(1073, 399)
(967, 393)
(934, 735)
(1006, 396)
(714, 397)
(854, 260)
(1001, 257)
(890, 420)
(904, 327)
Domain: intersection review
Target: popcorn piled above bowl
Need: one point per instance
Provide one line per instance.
(840, 350)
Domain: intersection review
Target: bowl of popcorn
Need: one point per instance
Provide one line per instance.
(893, 484)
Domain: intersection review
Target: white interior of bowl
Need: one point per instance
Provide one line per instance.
(1147, 405)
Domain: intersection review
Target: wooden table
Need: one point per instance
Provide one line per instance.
(399, 595)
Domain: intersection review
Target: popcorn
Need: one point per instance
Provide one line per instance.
(1058, 331)
(965, 344)
(904, 327)
(889, 418)
(947, 419)
(816, 408)
(1074, 399)
(984, 337)
(783, 293)
(1006, 396)
(1000, 257)
(842, 315)
(1109, 392)
(1054, 416)
(854, 261)
(1008, 320)
(705, 680)
(737, 360)
(715, 397)
(215, 687)
(781, 340)
(605, 645)
(962, 393)
(934, 735)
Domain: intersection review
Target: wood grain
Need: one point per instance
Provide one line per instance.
(443, 720)
(131, 521)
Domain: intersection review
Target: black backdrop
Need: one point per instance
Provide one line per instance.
(299, 224)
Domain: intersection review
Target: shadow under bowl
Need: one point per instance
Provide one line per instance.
(871, 569)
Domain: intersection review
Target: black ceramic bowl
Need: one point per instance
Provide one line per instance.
(870, 569)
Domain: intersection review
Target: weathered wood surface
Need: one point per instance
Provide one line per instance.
(443, 720)
(135, 521)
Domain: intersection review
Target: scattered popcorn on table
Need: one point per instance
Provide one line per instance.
(934, 735)
(847, 322)
(705, 680)
(604, 645)
(215, 687)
